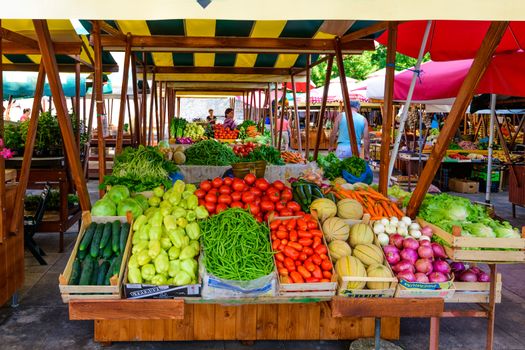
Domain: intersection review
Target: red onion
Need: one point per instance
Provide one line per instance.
(392, 257)
(483, 277)
(421, 277)
(424, 266)
(407, 276)
(437, 277)
(424, 243)
(441, 266)
(425, 252)
(439, 252)
(410, 243)
(396, 240)
(457, 267)
(476, 270)
(403, 265)
(409, 254)
(390, 249)
(468, 276)
(426, 231)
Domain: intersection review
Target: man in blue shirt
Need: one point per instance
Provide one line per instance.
(340, 131)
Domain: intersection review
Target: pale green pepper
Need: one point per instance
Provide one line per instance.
(144, 232)
(201, 212)
(174, 268)
(155, 232)
(196, 245)
(193, 230)
(190, 188)
(143, 257)
(173, 253)
(182, 222)
(178, 212)
(158, 191)
(134, 275)
(141, 220)
(179, 186)
(188, 252)
(191, 216)
(176, 236)
(148, 272)
(162, 263)
(154, 249)
(166, 210)
(156, 219)
(136, 239)
(165, 243)
(192, 201)
(154, 201)
(150, 211)
(159, 280)
(169, 281)
(139, 247)
(190, 266)
(170, 222)
(181, 279)
(133, 261)
(185, 241)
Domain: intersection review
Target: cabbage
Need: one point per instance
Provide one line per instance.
(118, 193)
(142, 201)
(104, 207)
(129, 204)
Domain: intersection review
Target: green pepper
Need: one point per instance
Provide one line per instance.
(143, 258)
(182, 222)
(179, 186)
(158, 191)
(174, 268)
(196, 245)
(139, 247)
(190, 187)
(193, 230)
(178, 212)
(173, 253)
(136, 239)
(175, 198)
(159, 280)
(190, 266)
(186, 194)
(192, 202)
(201, 212)
(165, 243)
(188, 252)
(134, 275)
(170, 222)
(191, 216)
(141, 220)
(154, 201)
(133, 261)
(148, 272)
(154, 249)
(156, 219)
(155, 233)
(162, 263)
(176, 236)
(181, 278)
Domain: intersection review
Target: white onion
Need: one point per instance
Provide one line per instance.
(402, 224)
(390, 229)
(415, 233)
(379, 228)
(383, 239)
(385, 221)
(406, 220)
(402, 231)
(414, 226)
(394, 220)
(424, 238)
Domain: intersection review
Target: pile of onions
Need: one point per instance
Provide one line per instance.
(417, 261)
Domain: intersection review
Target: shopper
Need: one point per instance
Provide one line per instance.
(26, 115)
(211, 118)
(229, 121)
(340, 131)
(285, 143)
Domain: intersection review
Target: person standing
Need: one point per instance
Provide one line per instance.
(229, 121)
(286, 132)
(26, 115)
(211, 118)
(340, 131)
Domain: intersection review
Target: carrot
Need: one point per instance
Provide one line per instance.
(388, 212)
(397, 210)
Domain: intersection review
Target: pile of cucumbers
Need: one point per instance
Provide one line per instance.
(305, 193)
(99, 254)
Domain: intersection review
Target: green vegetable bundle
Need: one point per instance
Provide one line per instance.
(267, 153)
(177, 127)
(210, 152)
(333, 166)
(236, 247)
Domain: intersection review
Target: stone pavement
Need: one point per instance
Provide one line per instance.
(41, 320)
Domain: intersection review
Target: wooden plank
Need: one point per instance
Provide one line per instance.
(203, 324)
(126, 309)
(225, 322)
(123, 99)
(369, 30)
(320, 126)
(136, 135)
(395, 307)
(292, 326)
(307, 116)
(267, 321)
(60, 48)
(97, 48)
(296, 116)
(466, 92)
(246, 320)
(329, 327)
(390, 327)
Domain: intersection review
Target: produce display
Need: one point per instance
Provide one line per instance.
(404, 227)
(256, 195)
(290, 157)
(222, 133)
(235, 246)
(465, 273)
(177, 127)
(117, 202)
(175, 153)
(333, 167)
(99, 254)
(166, 238)
(248, 129)
(261, 152)
(210, 152)
(194, 131)
(305, 193)
(301, 255)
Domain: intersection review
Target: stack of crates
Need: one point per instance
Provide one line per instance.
(480, 174)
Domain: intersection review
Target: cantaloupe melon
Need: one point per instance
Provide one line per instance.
(338, 249)
(369, 254)
(351, 266)
(378, 270)
(349, 209)
(361, 234)
(324, 207)
(335, 228)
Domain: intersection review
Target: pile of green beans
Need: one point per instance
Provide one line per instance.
(210, 152)
(236, 247)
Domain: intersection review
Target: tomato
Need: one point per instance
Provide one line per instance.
(306, 242)
(221, 207)
(259, 218)
(296, 277)
(202, 202)
(225, 199)
(283, 271)
(286, 195)
(200, 193)
(254, 209)
(236, 204)
(276, 243)
(285, 212)
(205, 185)
(317, 272)
(327, 274)
(217, 182)
(312, 225)
(225, 189)
(290, 225)
(227, 181)
(238, 185)
(293, 236)
(326, 265)
(291, 253)
(282, 235)
(250, 179)
(256, 192)
(296, 246)
(210, 207)
(274, 224)
(278, 185)
(302, 225)
(267, 206)
(304, 272)
(293, 206)
(312, 280)
(289, 264)
(236, 196)
(262, 184)
(309, 266)
(273, 194)
(210, 198)
(279, 256)
(316, 259)
(248, 197)
(280, 206)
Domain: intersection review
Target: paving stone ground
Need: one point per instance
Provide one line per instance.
(41, 319)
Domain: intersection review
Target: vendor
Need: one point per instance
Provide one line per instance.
(229, 121)
(211, 118)
(340, 131)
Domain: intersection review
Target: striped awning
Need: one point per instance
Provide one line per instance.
(168, 49)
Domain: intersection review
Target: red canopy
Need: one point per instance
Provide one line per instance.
(299, 87)
(453, 40)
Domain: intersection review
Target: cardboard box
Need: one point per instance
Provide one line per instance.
(147, 291)
(463, 186)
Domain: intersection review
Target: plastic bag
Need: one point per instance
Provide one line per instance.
(366, 177)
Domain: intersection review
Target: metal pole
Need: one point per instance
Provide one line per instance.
(491, 146)
(404, 116)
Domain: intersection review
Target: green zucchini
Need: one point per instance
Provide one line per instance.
(94, 274)
(316, 191)
(107, 252)
(102, 273)
(106, 235)
(96, 241)
(308, 193)
(115, 236)
(331, 196)
(116, 265)
(87, 269)
(88, 236)
(109, 274)
(82, 254)
(75, 273)
(124, 231)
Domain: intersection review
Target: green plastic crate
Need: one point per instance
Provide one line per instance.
(482, 175)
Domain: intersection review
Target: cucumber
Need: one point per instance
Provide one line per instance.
(124, 231)
(102, 273)
(115, 236)
(316, 191)
(94, 274)
(106, 235)
(116, 264)
(75, 273)
(107, 252)
(87, 270)
(109, 274)
(331, 196)
(82, 254)
(308, 193)
(96, 241)
(88, 236)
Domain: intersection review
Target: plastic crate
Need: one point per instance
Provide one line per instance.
(482, 175)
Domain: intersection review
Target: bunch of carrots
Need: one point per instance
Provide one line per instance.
(251, 131)
(373, 202)
(293, 157)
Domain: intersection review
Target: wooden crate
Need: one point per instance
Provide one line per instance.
(475, 292)
(112, 291)
(457, 245)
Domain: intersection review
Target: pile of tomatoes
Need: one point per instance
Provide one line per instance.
(301, 254)
(243, 150)
(222, 133)
(257, 195)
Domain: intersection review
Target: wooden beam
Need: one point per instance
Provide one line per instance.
(323, 106)
(60, 48)
(234, 44)
(282, 117)
(465, 94)
(388, 111)
(361, 33)
(346, 98)
(123, 99)
(88, 53)
(77, 103)
(276, 114)
(19, 39)
(151, 111)
(219, 70)
(18, 207)
(297, 119)
(106, 27)
(73, 154)
(63, 68)
(144, 102)
(3, 200)
(97, 80)
(297, 71)
(178, 107)
(307, 115)
(520, 127)
(136, 138)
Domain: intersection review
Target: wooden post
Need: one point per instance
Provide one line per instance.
(346, 97)
(323, 106)
(2, 162)
(297, 119)
(151, 104)
(130, 119)
(259, 110)
(99, 103)
(307, 116)
(73, 156)
(479, 65)
(282, 117)
(18, 207)
(77, 102)
(90, 118)
(143, 138)
(254, 107)
(136, 136)
(178, 107)
(276, 114)
(161, 101)
(123, 95)
(271, 113)
(388, 112)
